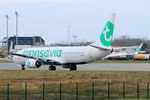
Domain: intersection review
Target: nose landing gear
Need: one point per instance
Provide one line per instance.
(22, 67)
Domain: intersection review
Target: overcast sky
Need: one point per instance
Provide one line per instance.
(86, 18)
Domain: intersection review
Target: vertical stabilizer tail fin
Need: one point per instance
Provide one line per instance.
(105, 38)
(141, 45)
(138, 49)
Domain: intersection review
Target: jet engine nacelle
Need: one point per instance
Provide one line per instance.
(31, 63)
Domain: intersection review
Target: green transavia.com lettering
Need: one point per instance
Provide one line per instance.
(43, 53)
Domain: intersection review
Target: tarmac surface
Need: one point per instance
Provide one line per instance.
(91, 66)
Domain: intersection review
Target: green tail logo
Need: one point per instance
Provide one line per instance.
(138, 49)
(106, 36)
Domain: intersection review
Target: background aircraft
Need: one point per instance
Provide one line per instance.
(125, 52)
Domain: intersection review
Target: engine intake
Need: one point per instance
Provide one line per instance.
(31, 63)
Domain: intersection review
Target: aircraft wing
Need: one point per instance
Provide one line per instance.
(130, 47)
(122, 54)
(50, 60)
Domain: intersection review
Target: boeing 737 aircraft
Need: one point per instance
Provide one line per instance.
(67, 57)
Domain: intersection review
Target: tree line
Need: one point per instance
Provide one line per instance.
(128, 41)
(120, 42)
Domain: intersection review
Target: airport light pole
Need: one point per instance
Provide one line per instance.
(69, 36)
(16, 13)
(74, 37)
(7, 18)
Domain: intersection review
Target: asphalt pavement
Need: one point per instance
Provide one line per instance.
(91, 66)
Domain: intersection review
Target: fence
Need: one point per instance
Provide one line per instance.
(74, 91)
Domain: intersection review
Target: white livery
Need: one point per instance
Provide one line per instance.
(67, 57)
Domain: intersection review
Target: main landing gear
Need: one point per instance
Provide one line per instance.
(73, 67)
(52, 68)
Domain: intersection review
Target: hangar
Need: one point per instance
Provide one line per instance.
(22, 42)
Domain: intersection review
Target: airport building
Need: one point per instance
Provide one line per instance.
(23, 42)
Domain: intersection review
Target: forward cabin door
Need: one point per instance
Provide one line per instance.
(90, 53)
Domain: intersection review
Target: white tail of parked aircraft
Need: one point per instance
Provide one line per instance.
(10, 50)
(67, 57)
(138, 49)
(11, 46)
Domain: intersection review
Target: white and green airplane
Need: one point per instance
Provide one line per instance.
(67, 57)
(125, 52)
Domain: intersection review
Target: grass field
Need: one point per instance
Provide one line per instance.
(77, 76)
(5, 60)
(69, 80)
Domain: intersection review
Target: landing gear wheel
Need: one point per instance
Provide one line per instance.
(52, 68)
(22, 67)
(73, 68)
